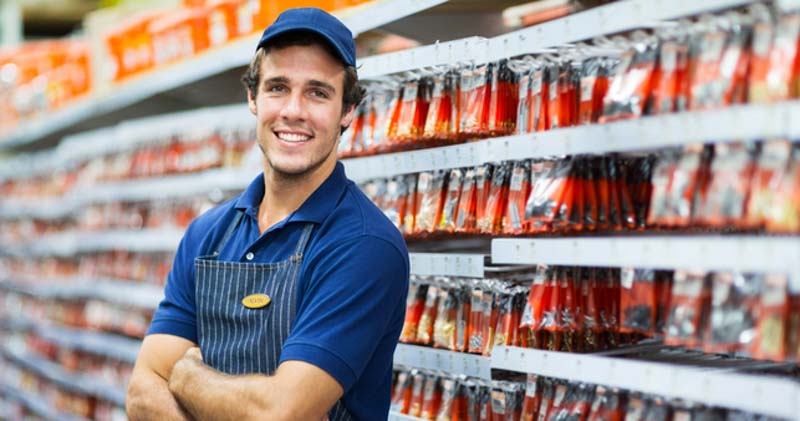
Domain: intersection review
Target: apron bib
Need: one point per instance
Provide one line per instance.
(236, 339)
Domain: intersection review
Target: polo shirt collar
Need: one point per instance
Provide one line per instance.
(315, 209)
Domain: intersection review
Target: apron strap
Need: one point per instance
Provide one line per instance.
(301, 245)
(229, 232)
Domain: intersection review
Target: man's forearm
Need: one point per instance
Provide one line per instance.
(150, 399)
(208, 394)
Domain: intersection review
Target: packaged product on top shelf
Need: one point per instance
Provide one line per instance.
(416, 97)
(522, 70)
(734, 311)
(671, 71)
(352, 142)
(539, 95)
(760, 50)
(629, 92)
(503, 100)
(441, 123)
(476, 105)
(784, 59)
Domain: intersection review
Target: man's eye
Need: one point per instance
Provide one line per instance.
(319, 94)
(275, 88)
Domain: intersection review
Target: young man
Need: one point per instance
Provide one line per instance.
(285, 303)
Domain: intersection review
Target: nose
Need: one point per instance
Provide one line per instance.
(293, 108)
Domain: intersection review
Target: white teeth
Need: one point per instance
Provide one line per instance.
(292, 137)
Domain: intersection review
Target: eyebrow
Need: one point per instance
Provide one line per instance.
(313, 83)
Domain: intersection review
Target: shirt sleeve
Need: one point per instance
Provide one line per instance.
(354, 296)
(176, 313)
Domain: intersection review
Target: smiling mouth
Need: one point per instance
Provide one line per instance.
(292, 137)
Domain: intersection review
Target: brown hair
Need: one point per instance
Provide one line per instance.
(353, 93)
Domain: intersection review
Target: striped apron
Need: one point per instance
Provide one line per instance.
(235, 339)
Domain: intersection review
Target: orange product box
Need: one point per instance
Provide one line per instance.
(179, 35)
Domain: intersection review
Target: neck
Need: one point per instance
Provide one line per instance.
(285, 193)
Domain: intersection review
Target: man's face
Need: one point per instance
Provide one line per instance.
(299, 109)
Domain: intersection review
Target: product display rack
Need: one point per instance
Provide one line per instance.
(757, 393)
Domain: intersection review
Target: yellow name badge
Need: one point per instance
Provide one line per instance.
(256, 300)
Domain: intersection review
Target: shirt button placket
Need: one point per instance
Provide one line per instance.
(249, 255)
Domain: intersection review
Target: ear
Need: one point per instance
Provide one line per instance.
(347, 117)
(251, 103)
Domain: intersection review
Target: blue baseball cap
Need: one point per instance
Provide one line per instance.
(317, 21)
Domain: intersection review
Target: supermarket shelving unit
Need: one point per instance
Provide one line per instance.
(760, 394)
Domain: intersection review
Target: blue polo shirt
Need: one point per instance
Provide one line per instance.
(351, 291)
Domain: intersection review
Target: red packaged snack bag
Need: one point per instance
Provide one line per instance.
(612, 295)
(773, 161)
(497, 200)
(663, 300)
(542, 174)
(522, 74)
(466, 212)
(552, 310)
(591, 201)
(417, 393)
(351, 142)
(622, 214)
(396, 200)
(608, 405)
(518, 192)
(760, 50)
(569, 296)
(784, 215)
(430, 199)
(531, 401)
(582, 402)
(448, 409)
(554, 107)
(636, 408)
(548, 387)
(539, 95)
(484, 174)
(412, 204)
(438, 123)
(428, 316)
(463, 328)
(491, 314)
(558, 409)
(401, 395)
(638, 301)
(477, 319)
(415, 303)
(385, 111)
(731, 174)
(784, 59)
(503, 100)
(547, 195)
(673, 62)
(450, 209)
(629, 93)
(570, 214)
(444, 328)
(773, 315)
(479, 406)
(590, 70)
(432, 398)
(476, 120)
(413, 110)
(690, 307)
(590, 320)
(691, 176)
(734, 304)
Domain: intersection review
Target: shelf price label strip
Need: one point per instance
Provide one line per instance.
(443, 360)
(758, 394)
(441, 264)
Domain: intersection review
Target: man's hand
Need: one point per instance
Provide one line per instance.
(191, 361)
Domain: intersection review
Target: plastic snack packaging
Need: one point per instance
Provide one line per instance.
(430, 199)
(444, 328)
(731, 175)
(553, 80)
(401, 396)
(439, 119)
(531, 401)
(589, 80)
(608, 405)
(426, 320)
(491, 314)
(522, 72)
(629, 93)
(784, 59)
(412, 204)
(484, 175)
(383, 120)
(503, 100)
(477, 320)
(415, 304)
(396, 204)
(771, 327)
(496, 201)
(539, 96)
(414, 110)
(545, 182)
(689, 182)
(569, 322)
(673, 63)
(784, 216)
(448, 410)
(451, 203)
(689, 308)
(477, 106)
(773, 162)
(417, 393)
(638, 301)
(463, 315)
(548, 387)
(432, 398)
(466, 213)
(518, 192)
(558, 410)
(636, 408)
(734, 304)
(760, 51)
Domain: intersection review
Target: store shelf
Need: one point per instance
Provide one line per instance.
(35, 404)
(736, 123)
(441, 264)
(394, 416)
(442, 360)
(72, 243)
(739, 253)
(116, 347)
(765, 395)
(81, 383)
(608, 19)
(131, 94)
(124, 293)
